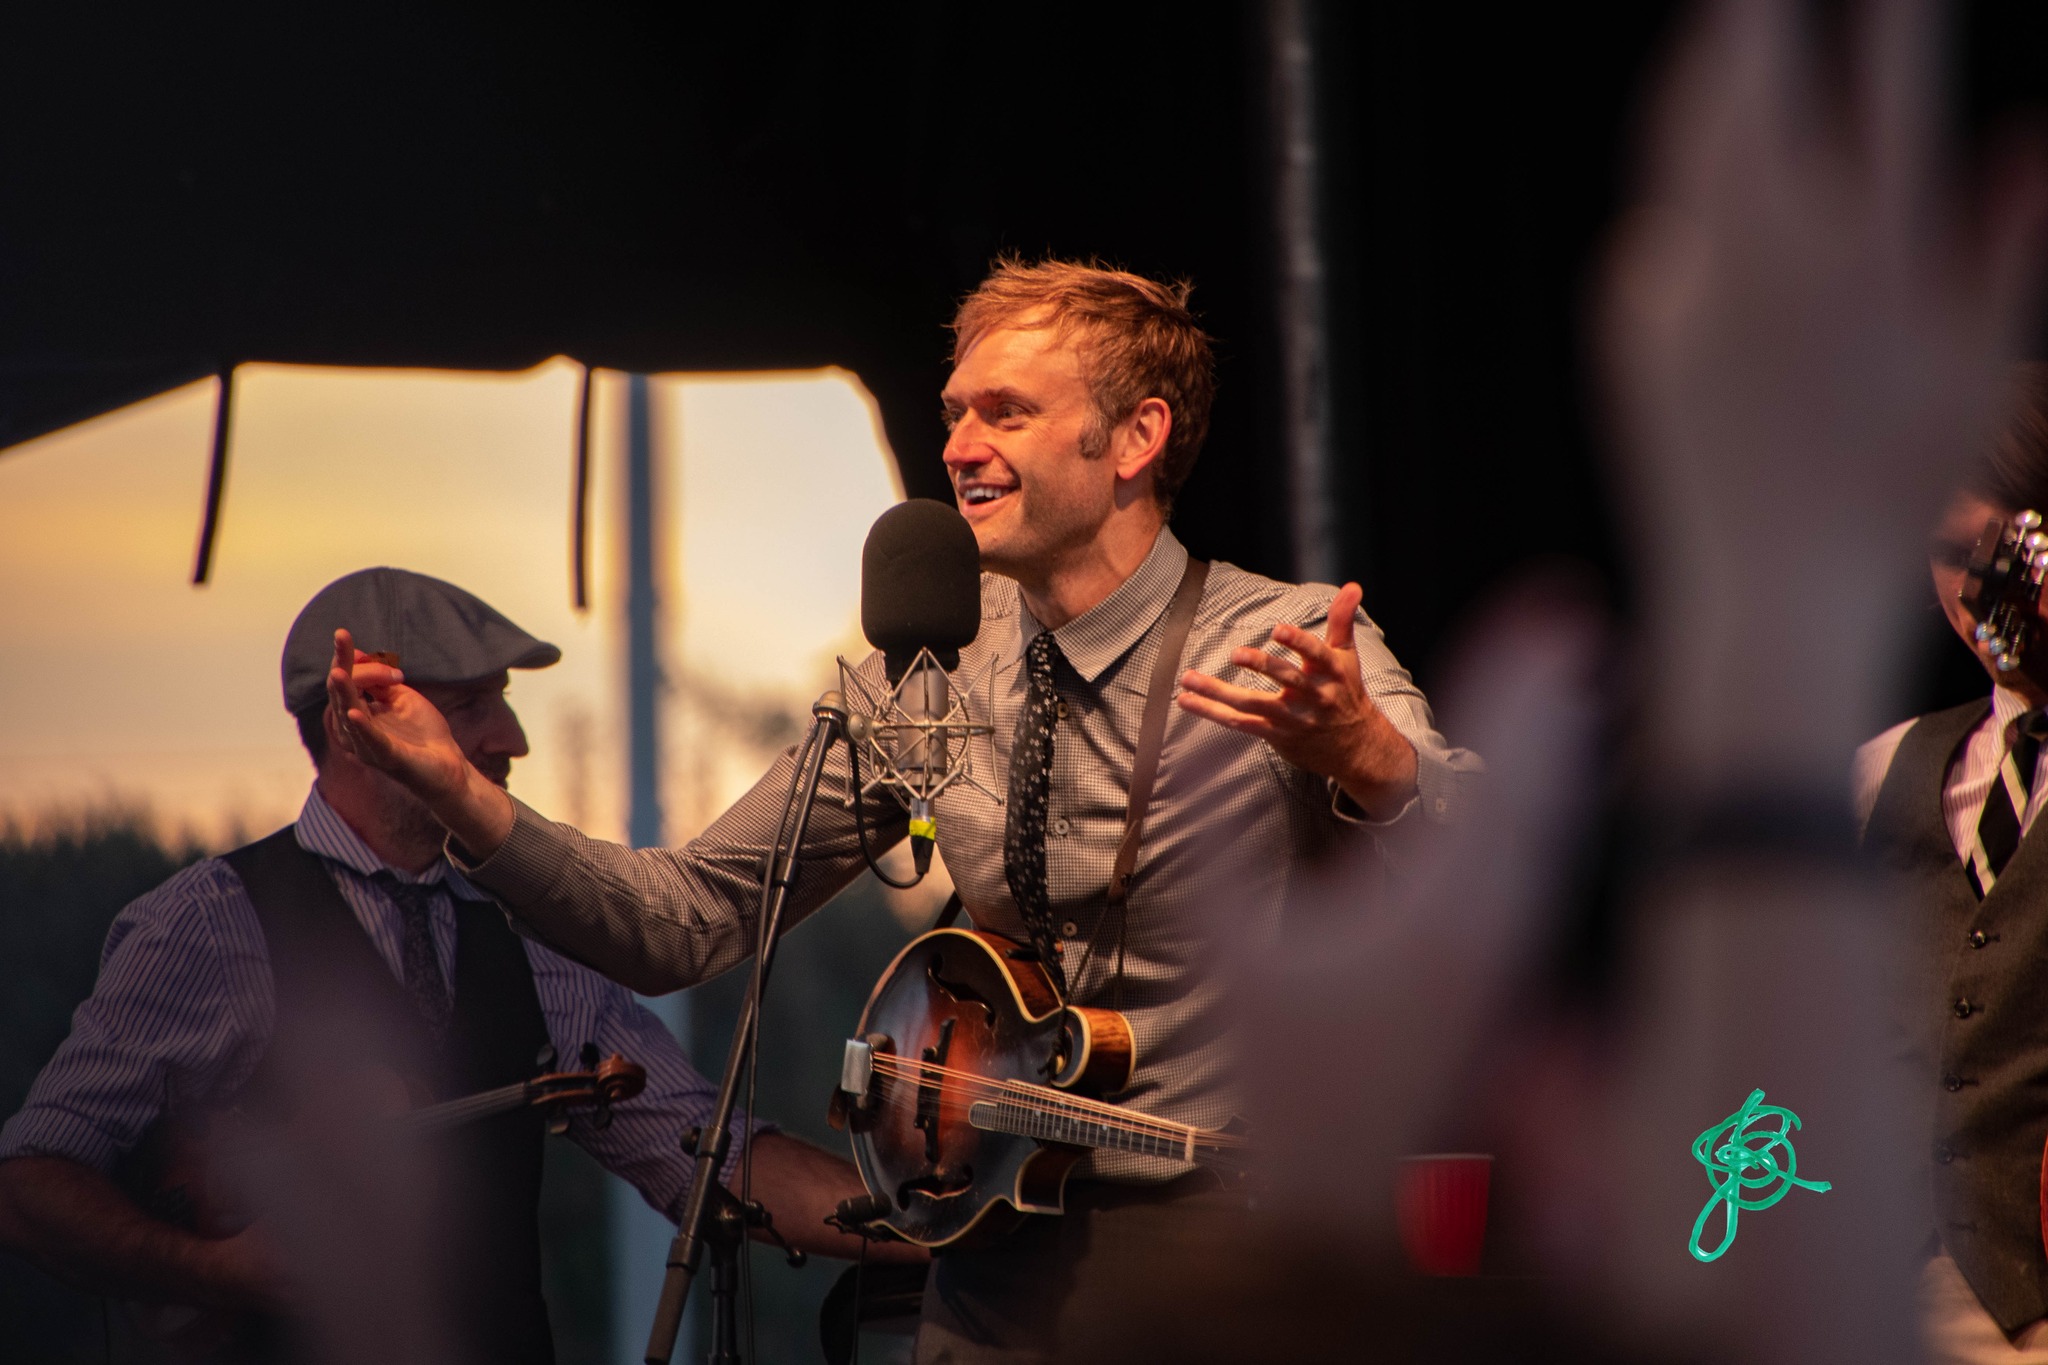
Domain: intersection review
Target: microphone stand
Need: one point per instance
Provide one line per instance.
(695, 1230)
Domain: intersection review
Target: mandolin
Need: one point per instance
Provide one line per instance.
(971, 1091)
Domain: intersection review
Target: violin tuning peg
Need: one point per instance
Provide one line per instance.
(590, 1056)
(601, 1117)
(545, 1058)
(558, 1124)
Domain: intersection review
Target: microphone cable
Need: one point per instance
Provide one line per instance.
(860, 825)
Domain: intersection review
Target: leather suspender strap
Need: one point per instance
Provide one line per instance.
(1173, 639)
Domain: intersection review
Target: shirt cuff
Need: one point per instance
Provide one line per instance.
(1435, 794)
(50, 1132)
(526, 866)
(1436, 786)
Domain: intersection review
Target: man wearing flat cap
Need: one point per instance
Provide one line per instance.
(346, 944)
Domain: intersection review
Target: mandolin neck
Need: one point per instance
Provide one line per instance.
(1050, 1121)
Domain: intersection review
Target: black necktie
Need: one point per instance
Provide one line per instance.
(1025, 817)
(1998, 828)
(423, 979)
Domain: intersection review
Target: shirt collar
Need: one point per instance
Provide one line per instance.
(321, 830)
(1104, 633)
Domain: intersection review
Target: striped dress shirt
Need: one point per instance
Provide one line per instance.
(1969, 779)
(184, 1008)
(1231, 830)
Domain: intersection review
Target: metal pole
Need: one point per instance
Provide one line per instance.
(1304, 336)
(640, 1236)
(643, 602)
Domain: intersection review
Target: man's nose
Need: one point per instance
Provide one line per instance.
(967, 444)
(504, 735)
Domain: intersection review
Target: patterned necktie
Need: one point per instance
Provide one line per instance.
(1025, 817)
(1998, 829)
(423, 979)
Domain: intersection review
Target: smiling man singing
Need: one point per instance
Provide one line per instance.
(1077, 405)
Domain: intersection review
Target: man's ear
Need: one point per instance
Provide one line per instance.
(1140, 439)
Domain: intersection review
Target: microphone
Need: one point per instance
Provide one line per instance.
(920, 603)
(920, 585)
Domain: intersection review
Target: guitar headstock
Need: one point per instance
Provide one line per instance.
(2002, 586)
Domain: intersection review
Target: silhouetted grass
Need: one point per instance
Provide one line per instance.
(63, 878)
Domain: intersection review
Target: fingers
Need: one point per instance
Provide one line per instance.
(1196, 704)
(1238, 700)
(2015, 232)
(1343, 607)
(1273, 666)
(342, 697)
(1898, 90)
(1317, 656)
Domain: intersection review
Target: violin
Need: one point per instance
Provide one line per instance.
(179, 1177)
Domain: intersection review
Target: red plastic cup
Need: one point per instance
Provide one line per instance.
(1440, 1204)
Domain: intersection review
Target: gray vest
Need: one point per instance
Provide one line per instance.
(1977, 1017)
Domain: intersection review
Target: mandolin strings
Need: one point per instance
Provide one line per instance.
(1038, 1100)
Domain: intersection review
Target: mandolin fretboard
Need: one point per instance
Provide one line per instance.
(1054, 1122)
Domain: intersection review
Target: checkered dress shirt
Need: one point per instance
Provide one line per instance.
(1228, 816)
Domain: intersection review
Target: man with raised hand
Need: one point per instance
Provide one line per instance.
(1078, 402)
(261, 981)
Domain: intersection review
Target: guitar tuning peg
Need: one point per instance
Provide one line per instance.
(1983, 633)
(2028, 520)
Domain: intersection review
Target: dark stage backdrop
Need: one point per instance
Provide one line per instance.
(714, 187)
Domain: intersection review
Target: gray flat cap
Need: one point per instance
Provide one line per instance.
(440, 633)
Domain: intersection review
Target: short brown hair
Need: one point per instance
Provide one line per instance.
(1139, 341)
(2014, 475)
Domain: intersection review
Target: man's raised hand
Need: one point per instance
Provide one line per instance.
(389, 726)
(1320, 719)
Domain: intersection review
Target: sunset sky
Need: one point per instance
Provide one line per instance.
(121, 682)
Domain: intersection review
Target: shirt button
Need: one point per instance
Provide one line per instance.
(1944, 1155)
(1069, 929)
(1060, 826)
(1952, 1082)
(1964, 1009)
(1061, 710)
(1977, 939)
(1442, 805)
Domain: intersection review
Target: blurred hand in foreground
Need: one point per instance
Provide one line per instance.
(1805, 325)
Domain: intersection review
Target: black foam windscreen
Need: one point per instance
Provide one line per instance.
(920, 584)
